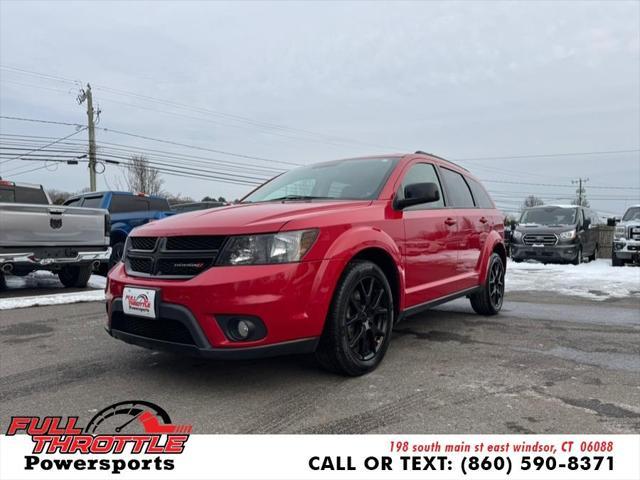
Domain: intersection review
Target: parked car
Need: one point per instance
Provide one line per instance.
(192, 207)
(128, 211)
(626, 238)
(556, 233)
(35, 235)
(324, 258)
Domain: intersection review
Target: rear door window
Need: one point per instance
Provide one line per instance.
(128, 203)
(480, 195)
(73, 203)
(422, 173)
(458, 193)
(31, 195)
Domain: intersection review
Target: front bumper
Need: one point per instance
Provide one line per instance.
(36, 258)
(555, 253)
(291, 300)
(195, 343)
(627, 249)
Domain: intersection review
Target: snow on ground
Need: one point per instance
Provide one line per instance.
(596, 280)
(47, 280)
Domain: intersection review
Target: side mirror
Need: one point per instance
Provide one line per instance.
(612, 221)
(513, 226)
(586, 223)
(418, 193)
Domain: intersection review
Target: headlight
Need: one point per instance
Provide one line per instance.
(516, 235)
(619, 232)
(282, 247)
(570, 235)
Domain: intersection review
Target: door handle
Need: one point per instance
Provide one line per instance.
(450, 221)
(483, 220)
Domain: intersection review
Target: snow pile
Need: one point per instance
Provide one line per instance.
(47, 280)
(90, 295)
(596, 280)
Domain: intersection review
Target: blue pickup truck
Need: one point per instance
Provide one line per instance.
(128, 210)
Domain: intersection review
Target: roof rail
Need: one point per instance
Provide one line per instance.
(420, 152)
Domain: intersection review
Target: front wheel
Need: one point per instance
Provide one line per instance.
(594, 256)
(578, 259)
(358, 328)
(488, 300)
(615, 261)
(75, 276)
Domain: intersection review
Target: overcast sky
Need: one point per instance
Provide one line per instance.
(462, 80)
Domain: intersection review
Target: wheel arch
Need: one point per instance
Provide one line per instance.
(493, 244)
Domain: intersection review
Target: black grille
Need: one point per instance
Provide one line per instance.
(143, 243)
(194, 243)
(177, 257)
(142, 265)
(182, 266)
(157, 329)
(547, 239)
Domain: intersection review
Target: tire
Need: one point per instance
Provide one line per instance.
(615, 261)
(578, 259)
(358, 328)
(117, 249)
(594, 256)
(75, 276)
(488, 300)
(3, 282)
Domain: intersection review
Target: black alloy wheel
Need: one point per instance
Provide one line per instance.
(367, 318)
(490, 296)
(358, 327)
(496, 285)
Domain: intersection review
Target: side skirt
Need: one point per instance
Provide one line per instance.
(433, 303)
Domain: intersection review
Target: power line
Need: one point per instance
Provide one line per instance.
(47, 145)
(22, 119)
(547, 155)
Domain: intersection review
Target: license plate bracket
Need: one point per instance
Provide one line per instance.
(140, 302)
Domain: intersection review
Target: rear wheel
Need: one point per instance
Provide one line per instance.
(358, 328)
(75, 276)
(488, 300)
(116, 254)
(3, 282)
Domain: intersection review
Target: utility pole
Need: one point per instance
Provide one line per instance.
(85, 94)
(580, 190)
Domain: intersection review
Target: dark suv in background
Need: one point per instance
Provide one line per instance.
(556, 233)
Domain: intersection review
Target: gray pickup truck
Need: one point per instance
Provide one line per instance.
(626, 238)
(35, 235)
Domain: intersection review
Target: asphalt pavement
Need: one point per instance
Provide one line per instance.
(546, 364)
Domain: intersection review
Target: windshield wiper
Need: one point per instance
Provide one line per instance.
(296, 197)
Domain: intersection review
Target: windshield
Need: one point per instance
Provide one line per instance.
(550, 216)
(632, 214)
(356, 179)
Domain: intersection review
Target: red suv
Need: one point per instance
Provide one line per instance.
(324, 258)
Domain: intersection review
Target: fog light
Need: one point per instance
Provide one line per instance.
(243, 329)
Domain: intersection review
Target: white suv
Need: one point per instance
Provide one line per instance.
(626, 238)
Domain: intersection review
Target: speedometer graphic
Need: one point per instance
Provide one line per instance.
(134, 417)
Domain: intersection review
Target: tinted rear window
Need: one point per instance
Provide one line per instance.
(128, 203)
(7, 195)
(458, 193)
(31, 195)
(92, 202)
(73, 203)
(159, 204)
(480, 195)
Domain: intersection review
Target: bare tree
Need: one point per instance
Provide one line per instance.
(532, 201)
(139, 176)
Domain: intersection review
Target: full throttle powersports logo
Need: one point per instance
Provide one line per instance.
(132, 427)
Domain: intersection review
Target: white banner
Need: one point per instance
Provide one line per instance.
(325, 457)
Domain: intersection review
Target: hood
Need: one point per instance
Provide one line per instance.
(542, 229)
(245, 218)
